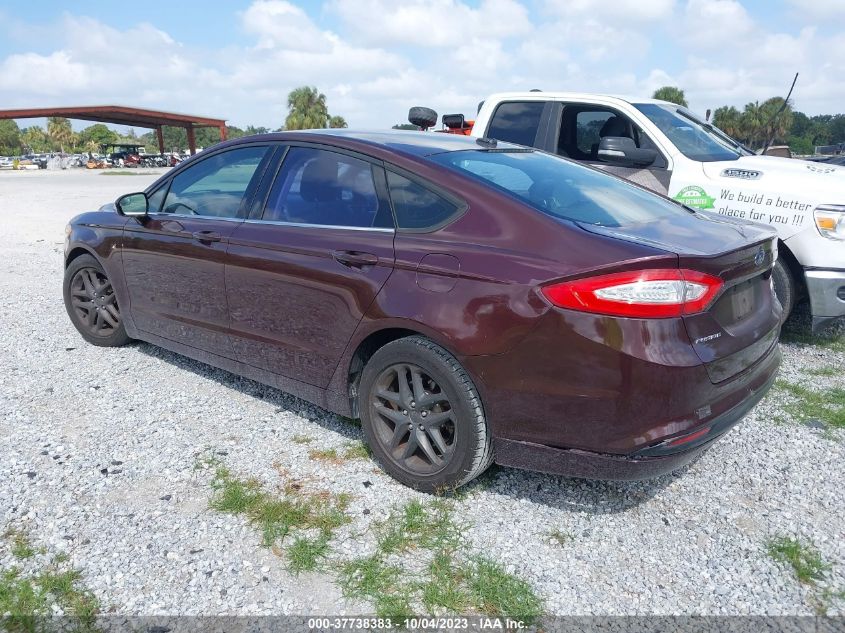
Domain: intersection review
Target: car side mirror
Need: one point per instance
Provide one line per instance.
(621, 151)
(132, 204)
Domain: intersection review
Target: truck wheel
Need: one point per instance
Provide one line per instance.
(784, 287)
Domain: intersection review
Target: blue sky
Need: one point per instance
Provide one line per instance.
(375, 58)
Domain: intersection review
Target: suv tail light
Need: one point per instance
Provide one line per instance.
(650, 294)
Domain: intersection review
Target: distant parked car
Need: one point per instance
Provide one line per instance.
(470, 301)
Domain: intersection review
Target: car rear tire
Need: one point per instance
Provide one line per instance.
(784, 287)
(422, 416)
(91, 303)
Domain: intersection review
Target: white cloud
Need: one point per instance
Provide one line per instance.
(431, 23)
(716, 23)
(825, 9)
(617, 11)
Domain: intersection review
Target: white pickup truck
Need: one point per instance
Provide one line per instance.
(668, 149)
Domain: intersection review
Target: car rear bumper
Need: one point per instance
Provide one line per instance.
(826, 289)
(622, 387)
(648, 463)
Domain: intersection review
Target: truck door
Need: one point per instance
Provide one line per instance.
(581, 127)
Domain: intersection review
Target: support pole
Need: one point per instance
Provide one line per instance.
(160, 137)
(192, 141)
(222, 132)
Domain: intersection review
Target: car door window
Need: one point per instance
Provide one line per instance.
(582, 129)
(215, 186)
(417, 207)
(326, 188)
(516, 122)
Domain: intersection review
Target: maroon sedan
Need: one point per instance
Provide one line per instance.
(470, 301)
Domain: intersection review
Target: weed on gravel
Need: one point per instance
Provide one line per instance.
(559, 537)
(421, 560)
(809, 406)
(28, 599)
(809, 568)
(20, 545)
(315, 515)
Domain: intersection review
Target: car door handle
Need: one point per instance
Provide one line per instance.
(355, 259)
(206, 236)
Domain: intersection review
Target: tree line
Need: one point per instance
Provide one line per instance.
(307, 109)
(770, 122)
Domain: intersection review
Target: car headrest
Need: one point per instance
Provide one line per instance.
(319, 180)
(614, 126)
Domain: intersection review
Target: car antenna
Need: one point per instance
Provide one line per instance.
(486, 142)
(771, 125)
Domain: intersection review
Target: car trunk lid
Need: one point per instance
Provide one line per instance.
(741, 324)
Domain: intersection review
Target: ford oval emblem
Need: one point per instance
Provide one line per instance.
(759, 257)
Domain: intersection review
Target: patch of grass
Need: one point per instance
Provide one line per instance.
(802, 337)
(828, 406)
(29, 599)
(372, 579)
(804, 559)
(301, 439)
(357, 450)
(325, 455)
(445, 587)
(560, 537)
(306, 553)
(496, 592)
(21, 546)
(277, 516)
(824, 371)
(451, 582)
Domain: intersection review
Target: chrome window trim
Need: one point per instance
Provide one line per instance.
(375, 229)
(193, 216)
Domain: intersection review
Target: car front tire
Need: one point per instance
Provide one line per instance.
(423, 417)
(91, 303)
(784, 287)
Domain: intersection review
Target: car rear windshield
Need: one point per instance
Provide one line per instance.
(561, 188)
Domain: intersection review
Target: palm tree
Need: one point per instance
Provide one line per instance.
(307, 109)
(337, 121)
(753, 124)
(777, 122)
(729, 120)
(60, 132)
(670, 94)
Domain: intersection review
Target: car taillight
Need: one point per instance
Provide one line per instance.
(650, 294)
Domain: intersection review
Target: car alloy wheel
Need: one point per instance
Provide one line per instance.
(92, 299)
(413, 419)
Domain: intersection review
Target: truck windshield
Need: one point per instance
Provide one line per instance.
(561, 188)
(694, 139)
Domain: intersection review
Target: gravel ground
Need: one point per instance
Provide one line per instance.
(100, 448)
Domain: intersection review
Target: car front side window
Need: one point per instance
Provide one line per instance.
(215, 186)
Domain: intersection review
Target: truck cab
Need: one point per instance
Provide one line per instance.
(668, 149)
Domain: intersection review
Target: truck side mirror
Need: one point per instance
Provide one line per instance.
(621, 151)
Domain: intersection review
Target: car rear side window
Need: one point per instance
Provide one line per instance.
(562, 188)
(326, 188)
(215, 186)
(417, 207)
(516, 122)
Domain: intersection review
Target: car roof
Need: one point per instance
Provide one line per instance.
(579, 96)
(409, 142)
